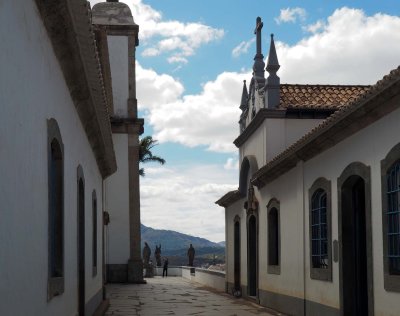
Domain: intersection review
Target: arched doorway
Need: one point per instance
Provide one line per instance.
(81, 243)
(236, 255)
(252, 255)
(355, 236)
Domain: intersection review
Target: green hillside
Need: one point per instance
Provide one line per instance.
(172, 240)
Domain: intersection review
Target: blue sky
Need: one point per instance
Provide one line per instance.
(191, 62)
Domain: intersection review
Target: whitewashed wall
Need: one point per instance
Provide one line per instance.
(118, 52)
(32, 90)
(117, 204)
(368, 146)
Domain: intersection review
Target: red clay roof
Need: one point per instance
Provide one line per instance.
(301, 96)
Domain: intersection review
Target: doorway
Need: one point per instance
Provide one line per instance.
(81, 247)
(252, 256)
(355, 263)
(236, 255)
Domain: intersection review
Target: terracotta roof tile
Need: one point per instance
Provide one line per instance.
(318, 96)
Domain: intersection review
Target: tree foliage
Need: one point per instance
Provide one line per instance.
(145, 155)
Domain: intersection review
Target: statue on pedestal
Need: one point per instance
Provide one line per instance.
(190, 254)
(157, 255)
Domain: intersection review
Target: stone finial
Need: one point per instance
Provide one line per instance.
(245, 97)
(258, 66)
(272, 83)
(272, 62)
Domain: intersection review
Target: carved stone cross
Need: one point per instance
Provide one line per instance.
(257, 31)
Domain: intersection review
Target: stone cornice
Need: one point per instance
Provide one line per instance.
(264, 113)
(229, 198)
(383, 98)
(127, 125)
(69, 28)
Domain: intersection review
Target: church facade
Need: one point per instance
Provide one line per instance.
(69, 135)
(314, 227)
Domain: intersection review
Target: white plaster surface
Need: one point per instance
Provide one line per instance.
(368, 146)
(32, 90)
(117, 205)
(118, 52)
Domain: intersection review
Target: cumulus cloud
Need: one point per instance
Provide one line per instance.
(176, 39)
(209, 118)
(349, 48)
(315, 27)
(242, 48)
(186, 195)
(291, 15)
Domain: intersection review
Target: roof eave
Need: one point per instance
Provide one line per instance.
(69, 28)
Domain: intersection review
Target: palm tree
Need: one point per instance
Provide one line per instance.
(145, 154)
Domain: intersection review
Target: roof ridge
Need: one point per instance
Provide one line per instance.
(324, 85)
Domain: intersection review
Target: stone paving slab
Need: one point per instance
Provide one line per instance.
(176, 296)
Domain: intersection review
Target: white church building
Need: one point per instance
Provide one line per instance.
(69, 144)
(314, 227)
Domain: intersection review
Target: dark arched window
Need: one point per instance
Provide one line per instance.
(320, 230)
(56, 210)
(94, 230)
(273, 237)
(390, 169)
(393, 219)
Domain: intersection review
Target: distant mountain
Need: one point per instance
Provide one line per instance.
(171, 240)
(221, 243)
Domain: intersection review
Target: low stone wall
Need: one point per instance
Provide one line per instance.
(210, 278)
(172, 271)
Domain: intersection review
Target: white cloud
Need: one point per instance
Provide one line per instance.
(315, 27)
(177, 59)
(242, 48)
(184, 199)
(150, 52)
(154, 89)
(232, 164)
(349, 48)
(209, 118)
(291, 15)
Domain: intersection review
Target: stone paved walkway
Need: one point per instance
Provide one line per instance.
(176, 296)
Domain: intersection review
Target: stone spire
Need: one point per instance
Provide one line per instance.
(258, 66)
(245, 97)
(272, 84)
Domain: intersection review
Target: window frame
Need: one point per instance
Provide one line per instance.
(274, 268)
(391, 281)
(55, 284)
(94, 233)
(322, 274)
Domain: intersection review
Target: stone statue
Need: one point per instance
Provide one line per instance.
(190, 254)
(157, 255)
(146, 254)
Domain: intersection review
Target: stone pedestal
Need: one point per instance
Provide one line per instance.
(149, 270)
(135, 271)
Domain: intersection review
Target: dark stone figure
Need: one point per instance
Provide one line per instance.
(165, 269)
(157, 255)
(146, 254)
(190, 254)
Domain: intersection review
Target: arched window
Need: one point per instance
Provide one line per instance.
(94, 230)
(393, 218)
(390, 168)
(55, 211)
(320, 230)
(273, 237)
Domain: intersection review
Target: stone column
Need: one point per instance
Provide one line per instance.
(135, 263)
